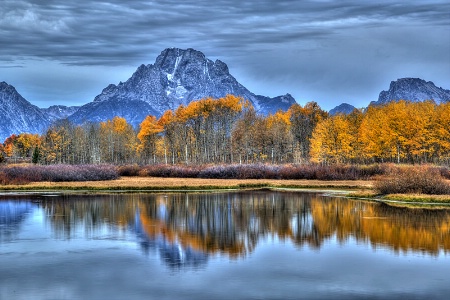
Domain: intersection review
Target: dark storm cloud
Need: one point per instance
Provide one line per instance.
(123, 32)
(316, 36)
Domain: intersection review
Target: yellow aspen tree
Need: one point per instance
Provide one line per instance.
(375, 134)
(303, 121)
(168, 124)
(117, 141)
(441, 132)
(354, 121)
(331, 141)
(148, 137)
(280, 135)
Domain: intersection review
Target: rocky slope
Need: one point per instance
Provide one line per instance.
(17, 115)
(58, 112)
(177, 77)
(343, 108)
(413, 89)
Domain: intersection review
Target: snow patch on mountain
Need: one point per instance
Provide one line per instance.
(58, 112)
(177, 77)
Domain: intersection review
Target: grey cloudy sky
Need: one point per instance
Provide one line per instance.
(67, 51)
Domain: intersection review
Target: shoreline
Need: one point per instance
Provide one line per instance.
(352, 189)
(162, 183)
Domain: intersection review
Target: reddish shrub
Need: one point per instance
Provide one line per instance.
(413, 180)
(30, 173)
(128, 170)
(445, 172)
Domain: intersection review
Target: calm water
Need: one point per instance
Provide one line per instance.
(240, 245)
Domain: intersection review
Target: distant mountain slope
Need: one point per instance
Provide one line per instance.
(17, 115)
(413, 89)
(343, 108)
(57, 112)
(177, 77)
(272, 105)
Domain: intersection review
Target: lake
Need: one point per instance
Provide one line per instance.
(225, 245)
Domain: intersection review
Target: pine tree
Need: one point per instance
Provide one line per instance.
(36, 155)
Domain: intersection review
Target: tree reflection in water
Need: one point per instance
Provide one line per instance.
(185, 228)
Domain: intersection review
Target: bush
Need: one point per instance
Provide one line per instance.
(128, 170)
(413, 180)
(445, 172)
(262, 171)
(56, 173)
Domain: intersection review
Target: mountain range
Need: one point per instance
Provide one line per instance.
(412, 89)
(177, 77)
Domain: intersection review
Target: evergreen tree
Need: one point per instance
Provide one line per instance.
(36, 155)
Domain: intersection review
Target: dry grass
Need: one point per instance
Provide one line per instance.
(359, 188)
(419, 198)
(156, 183)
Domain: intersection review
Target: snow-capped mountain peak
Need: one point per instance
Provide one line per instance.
(176, 78)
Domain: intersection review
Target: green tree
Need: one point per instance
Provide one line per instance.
(36, 155)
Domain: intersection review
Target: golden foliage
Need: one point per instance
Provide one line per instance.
(401, 131)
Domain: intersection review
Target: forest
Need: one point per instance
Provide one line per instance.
(229, 131)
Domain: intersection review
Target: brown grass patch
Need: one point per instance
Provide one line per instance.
(156, 183)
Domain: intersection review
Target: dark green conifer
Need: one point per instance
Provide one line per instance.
(36, 155)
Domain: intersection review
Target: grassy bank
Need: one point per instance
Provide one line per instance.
(352, 188)
(158, 184)
(408, 184)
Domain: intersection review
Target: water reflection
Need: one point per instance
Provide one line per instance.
(12, 214)
(174, 254)
(186, 229)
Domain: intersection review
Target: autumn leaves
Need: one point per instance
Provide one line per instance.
(402, 132)
(229, 130)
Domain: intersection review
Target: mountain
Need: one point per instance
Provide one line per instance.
(272, 105)
(58, 112)
(177, 77)
(17, 115)
(413, 89)
(343, 108)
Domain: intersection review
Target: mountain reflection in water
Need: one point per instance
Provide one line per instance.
(186, 228)
(12, 213)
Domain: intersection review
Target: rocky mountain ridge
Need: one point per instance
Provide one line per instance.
(343, 108)
(17, 115)
(58, 112)
(413, 89)
(176, 78)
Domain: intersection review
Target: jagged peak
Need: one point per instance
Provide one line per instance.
(221, 66)
(413, 89)
(4, 86)
(142, 68)
(57, 106)
(176, 54)
(288, 96)
(343, 108)
(109, 87)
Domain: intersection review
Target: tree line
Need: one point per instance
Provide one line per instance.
(400, 132)
(229, 130)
